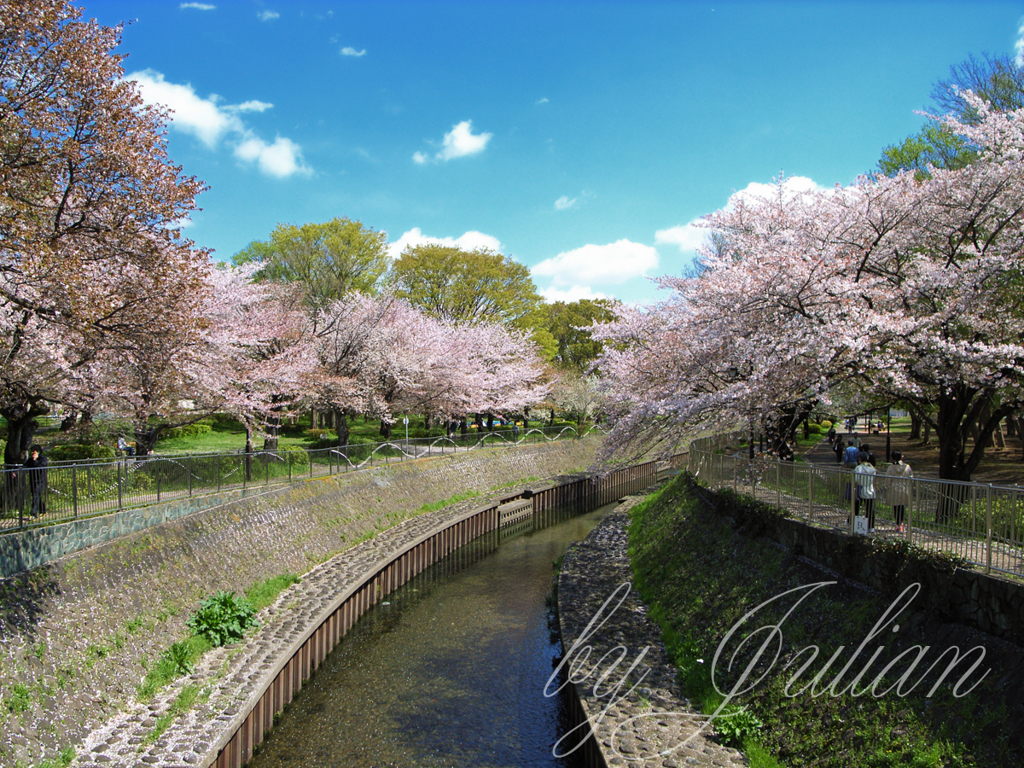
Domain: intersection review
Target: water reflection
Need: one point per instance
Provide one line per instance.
(450, 672)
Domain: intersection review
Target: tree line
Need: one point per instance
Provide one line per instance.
(105, 307)
(904, 288)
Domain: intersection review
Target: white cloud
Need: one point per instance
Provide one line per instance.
(210, 122)
(689, 237)
(542, 101)
(564, 203)
(460, 141)
(1019, 45)
(268, 15)
(609, 264)
(198, 6)
(252, 106)
(575, 293)
(348, 50)
(791, 187)
(281, 159)
(470, 241)
(200, 117)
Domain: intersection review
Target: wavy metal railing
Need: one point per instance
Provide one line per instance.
(83, 489)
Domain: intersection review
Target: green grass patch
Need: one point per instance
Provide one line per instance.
(19, 699)
(264, 593)
(63, 759)
(178, 660)
(183, 702)
(434, 506)
(701, 571)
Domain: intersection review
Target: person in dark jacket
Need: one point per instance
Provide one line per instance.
(36, 469)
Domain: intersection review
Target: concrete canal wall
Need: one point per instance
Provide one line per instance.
(77, 635)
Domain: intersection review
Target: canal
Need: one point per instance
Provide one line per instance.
(448, 671)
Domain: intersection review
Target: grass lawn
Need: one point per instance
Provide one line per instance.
(227, 436)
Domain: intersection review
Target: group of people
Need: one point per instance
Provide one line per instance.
(857, 457)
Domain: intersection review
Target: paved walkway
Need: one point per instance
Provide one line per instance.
(1005, 558)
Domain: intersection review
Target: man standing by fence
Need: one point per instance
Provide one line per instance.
(35, 468)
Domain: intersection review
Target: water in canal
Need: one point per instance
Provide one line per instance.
(450, 671)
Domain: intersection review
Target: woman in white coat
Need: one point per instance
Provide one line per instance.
(898, 483)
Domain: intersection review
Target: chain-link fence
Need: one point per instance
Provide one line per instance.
(67, 491)
(984, 524)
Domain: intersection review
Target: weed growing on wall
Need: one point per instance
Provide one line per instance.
(223, 619)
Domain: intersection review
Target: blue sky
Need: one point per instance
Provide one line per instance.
(578, 138)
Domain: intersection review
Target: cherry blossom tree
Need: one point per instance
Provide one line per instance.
(901, 288)
(380, 354)
(91, 258)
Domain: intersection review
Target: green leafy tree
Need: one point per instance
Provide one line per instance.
(998, 80)
(466, 287)
(328, 260)
(569, 325)
(934, 146)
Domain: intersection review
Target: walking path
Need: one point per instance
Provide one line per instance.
(1003, 557)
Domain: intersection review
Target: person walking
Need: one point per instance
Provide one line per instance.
(864, 477)
(898, 490)
(850, 455)
(36, 469)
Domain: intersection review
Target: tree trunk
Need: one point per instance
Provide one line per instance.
(385, 429)
(341, 426)
(273, 426)
(915, 426)
(248, 452)
(479, 421)
(314, 419)
(68, 422)
(21, 428)
(490, 422)
(145, 439)
(464, 425)
(961, 409)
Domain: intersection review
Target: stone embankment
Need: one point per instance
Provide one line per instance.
(77, 636)
(639, 715)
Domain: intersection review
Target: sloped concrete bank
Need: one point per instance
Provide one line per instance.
(77, 635)
(618, 666)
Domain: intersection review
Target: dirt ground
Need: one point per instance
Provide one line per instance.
(1000, 466)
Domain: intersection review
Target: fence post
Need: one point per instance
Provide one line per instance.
(189, 470)
(119, 504)
(810, 493)
(289, 460)
(853, 503)
(909, 512)
(74, 490)
(778, 484)
(988, 529)
(158, 486)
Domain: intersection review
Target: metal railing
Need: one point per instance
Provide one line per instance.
(982, 523)
(69, 491)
